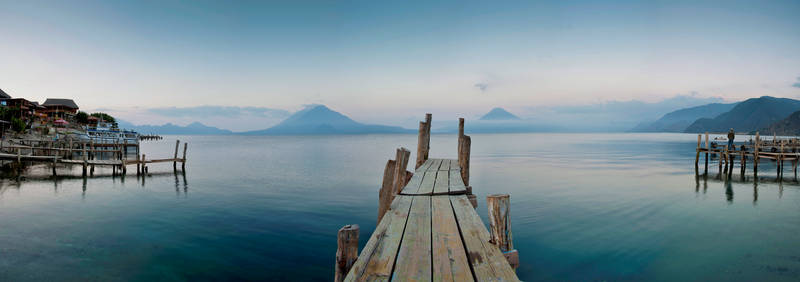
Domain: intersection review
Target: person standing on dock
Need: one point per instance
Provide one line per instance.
(731, 136)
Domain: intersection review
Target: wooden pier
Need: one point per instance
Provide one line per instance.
(86, 155)
(754, 150)
(428, 228)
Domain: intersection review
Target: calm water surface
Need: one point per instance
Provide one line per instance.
(584, 207)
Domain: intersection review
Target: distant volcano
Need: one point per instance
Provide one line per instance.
(320, 119)
(499, 114)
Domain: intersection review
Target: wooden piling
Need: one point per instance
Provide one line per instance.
(401, 158)
(743, 163)
(347, 250)
(697, 155)
(423, 141)
(499, 206)
(385, 196)
(183, 163)
(705, 171)
(463, 158)
(175, 158)
(144, 165)
(138, 164)
(721, 157)
(85, 159)
(755, 155)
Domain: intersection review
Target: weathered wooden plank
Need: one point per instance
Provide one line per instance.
(456, 183)
(378, 256)
(441, 185)
(449, 257)
(445, 165)
(435, 165)
(488, 263)
(428, 182)
(414, 257)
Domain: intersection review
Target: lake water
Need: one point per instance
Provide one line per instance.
(584, 207)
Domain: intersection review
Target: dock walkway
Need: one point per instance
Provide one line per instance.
(432, 230)
(429, 229)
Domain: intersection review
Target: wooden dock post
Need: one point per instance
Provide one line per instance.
(144, 165)
(347, 250)
(721, 157)
(424, 141)
(743, 162)
(85, 159)
(183, 163)
(385, 196)
(400, 170)
(697, 156)
(463, 158)
(755, 155)
(138, 164)
(175, 158)
(705, 171)
(499, 206)
(780, 163)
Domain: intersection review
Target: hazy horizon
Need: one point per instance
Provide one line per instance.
(153, 62)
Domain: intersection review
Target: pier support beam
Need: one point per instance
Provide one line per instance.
(755, 156)
(401, 158)
(424, 141)
(347, 250)
(183, 163)
(705, 171)
(697, 156)
(463, 158)
(175, 158)
(385, 196)
(499, 206)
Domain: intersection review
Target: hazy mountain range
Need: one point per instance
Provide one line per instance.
(195, 128)
(748, 116)
(765, 113)
(320, 119)
(678, 121)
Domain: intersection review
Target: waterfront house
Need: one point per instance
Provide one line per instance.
(60, 108)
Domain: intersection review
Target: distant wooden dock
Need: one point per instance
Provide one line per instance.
(428, 228)
(754, 150)
(86, 155)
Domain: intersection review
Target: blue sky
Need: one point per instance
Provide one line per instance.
(379, 60)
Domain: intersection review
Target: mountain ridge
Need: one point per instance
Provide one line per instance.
(321, 120)
(748, 116)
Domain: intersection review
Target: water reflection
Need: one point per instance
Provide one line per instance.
(755, 192)
(729, 191)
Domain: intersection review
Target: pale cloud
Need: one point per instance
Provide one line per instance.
(483, 86)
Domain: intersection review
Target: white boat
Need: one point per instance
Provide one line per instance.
(104, 133)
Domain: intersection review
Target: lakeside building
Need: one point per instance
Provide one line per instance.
(60, 108)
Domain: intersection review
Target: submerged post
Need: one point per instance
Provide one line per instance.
(499, 206)
(175, 158)
(697, 155)
(85, 159)
(347, 250)
(705, 171)
(183, 163)
(755, 155)
(385, 195)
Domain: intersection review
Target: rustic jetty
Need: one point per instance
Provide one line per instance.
(428, 228)
(147, 137)
(777, 150)
(86, 154)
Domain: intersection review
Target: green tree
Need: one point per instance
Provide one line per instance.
(104, 117)
(18, 125)
(82, 117)
(6, 113)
